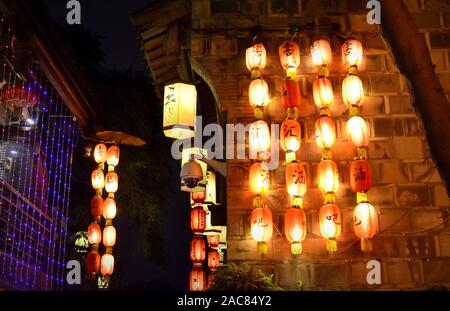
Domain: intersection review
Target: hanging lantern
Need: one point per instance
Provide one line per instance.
(295, 175)
(198, 197)
(289, 53)
(94, 233)
(258, 93)
(321, 52)
(295, 228)
(109, 209)
(213, 240)
(213, 260)
(352, 91)
(100, 152)
(97, 206)
(330, 225)
(357, 132)
(323, 93)
(198, 249)
(352, 52)
(92, 262)
(360, 177)
(261, 227)
(98, 179)
(16, 96)
(255, 57)
(113, 156)
(327, 176)
(198, 220)
(259, 178)
(197, 280)
(259, 140)
(290, 138)
(291, 94)
(325, 132)
(111, 182)
(107, 265)
(109, 236)
(180, 106)
(365, 224)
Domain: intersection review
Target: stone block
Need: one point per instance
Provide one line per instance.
(389, 246)
(440, 40)
(359, 23)
(197, 46)
(385, 83)
(330, 275)
(444, 78)
(242, 250)
(438, 59)
(412, 127)
(408, 148)
(391, 171)
(388, 127)
(373, 105)
(444, 245)
(373, 63)
(379, 149)
(382, 195)
(390, 216)
(400, 273)
(408, 196)
(426, 219)
(373, 41)
(400, 105)
(223, 46)
(437, 271)
(427, 20)
(440, 196)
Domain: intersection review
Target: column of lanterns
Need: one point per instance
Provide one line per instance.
(365, 217)
(197, 277)
(290, 139)
(259, 144)
(325, 133)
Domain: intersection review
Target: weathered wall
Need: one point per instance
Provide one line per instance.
(405, 182)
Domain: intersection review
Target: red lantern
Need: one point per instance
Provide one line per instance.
(197, 279)
(290, 135)
(259, 178)
(291, 94)
(198, 220)
(330, 224)
(198, 249)
(107, 265)
(213, 240)
(262, 226)
(295, 176)
(92, 262)
(94, 233)
(213, 260)
(289, 53)
(323, 93)
(360, 177)
(295, 228)
(97, 206)
(198, 197)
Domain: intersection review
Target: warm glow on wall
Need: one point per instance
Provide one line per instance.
(330, 224)
(323, 92)
(259, 140)
(109, 209)
(295, 176)
(289, 54)
(109, 236)
(98, 179)
(290, 92)
(295, 228)
(357, 132)
(255, 57)
(352, 91)
(321, 52)
(259, 178)
(94, 233)
(107, 265)
(198, 250)
(258, 93)
(325, 130)
(352, 52)
(327, 176)
(290, 135)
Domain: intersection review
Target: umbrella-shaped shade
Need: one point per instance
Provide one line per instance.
(119, 138)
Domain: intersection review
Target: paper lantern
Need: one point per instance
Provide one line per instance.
(352, 91)
(198, 197)
(258, 93)
(289, 54)
(295, 175)
(261, 224)
(111, 182)
(325, 130)
(113, 156)
(352, 52)
(357, 132)
(213, 260)
(321, 52)
(365, 224)
(213, 240)
(295, 228)
(109, 236)
(98, 179)
(291, 94)
(198, 250)
(198, 220)
(259, 178)
(109, 209)
(92, 262)
(97, 206)
(360, 176)
(327, 176)
(94, 233)
(197, 279)
(330, 225)
(107, 265)
(323, 93)
(255, 57)
(290, 135)
(180, 106)
(259, 140)
(100, 152)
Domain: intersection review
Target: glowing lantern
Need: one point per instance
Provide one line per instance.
(180, 106)
(107, 265)
(255, 57)
(258, 93)
(325, 129)
(321, 52)
(261, 227)
(213, 260)
(92, 262)
(365, 224)
(330, 224)
(357, 132)
(94, 233)
(323, 93)
(213, 240)
(290, 135)
(112, 182)
(327, 176)
(352, 52)
(210, 187)
(100, 152)
(352, 91)
(113, 156)
(259, 178)
(295, 228)
(109, 209)
(198, 249)
(109, 236)
(291, 94)
(198, 220)
(289, 53)
(98, 179)
(360, 177)
(259, 139)
(16, 96)
(198, 197)
(197, 279)
(97, 206)
(295, 175)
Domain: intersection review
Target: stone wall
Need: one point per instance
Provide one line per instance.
(407, 188)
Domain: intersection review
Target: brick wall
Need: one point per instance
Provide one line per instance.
(404, 178)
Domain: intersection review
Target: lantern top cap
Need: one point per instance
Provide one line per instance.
(212, 232)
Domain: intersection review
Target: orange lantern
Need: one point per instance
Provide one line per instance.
(111, 182)
(295, 175)
(107, 265)
(360, 177)
(198, 197)
(290, 135)
(365, 224)
(98, 179)
(258, 93)
(352, 52)
(197, 280)
(94, 233)
(100, 152)
(198, 220)
(255, 57)
(289, 53)
(213, 260)
(323, 93)
(259, 139)
(109, 236)
(198, 249)
(352, 91)
(325, 132)
(321, 52)
(109, 208)
(213, 240)
(97, 206)
(327, 176)
(92, 262)
(357, 132)
(113, 156)
(295, 228)
(330, 224)
(259, 178)
(291, 94)
(262, 227)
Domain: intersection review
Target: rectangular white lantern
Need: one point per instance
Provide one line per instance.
(210, 187)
